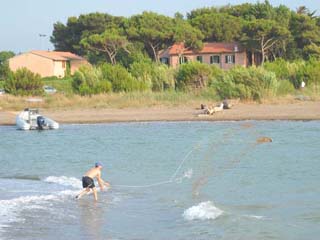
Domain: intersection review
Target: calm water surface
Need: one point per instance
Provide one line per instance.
(220, 184)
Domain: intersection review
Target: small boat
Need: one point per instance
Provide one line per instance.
(30, 119)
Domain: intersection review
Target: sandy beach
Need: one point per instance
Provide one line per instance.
(298, 110)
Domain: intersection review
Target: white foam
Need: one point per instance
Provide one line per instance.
(11, 208)
(255, 216)
(187, 174)
(65, 181)
(202, 211)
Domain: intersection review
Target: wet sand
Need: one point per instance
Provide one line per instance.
(306, 110)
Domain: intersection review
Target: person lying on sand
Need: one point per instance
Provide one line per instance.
(88, 182)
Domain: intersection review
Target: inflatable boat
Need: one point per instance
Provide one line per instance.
(30, 119)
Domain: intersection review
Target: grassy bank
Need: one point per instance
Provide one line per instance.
(135, 100)
(113, 100)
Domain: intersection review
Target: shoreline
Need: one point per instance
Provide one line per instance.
(296, 111)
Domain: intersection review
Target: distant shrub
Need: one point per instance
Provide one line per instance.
(311, 72)
(89, 80)
(121, 79)
(143, 72)
(193, 75)
(285, 87)
(157, 77)
(63, 85)
(163, 78)
(284, 70)
(245, 83)
(4, 64)
(23, 82)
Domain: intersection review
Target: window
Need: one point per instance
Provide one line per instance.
(183, 60)
(63, 64)
(215, 59)
(230, 59)
(199, 59)
(164, 60)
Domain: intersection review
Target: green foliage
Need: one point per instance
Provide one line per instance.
(311, 72)
(121, 79)
(4, 65)
(189, 35)
(63, 85)
(284, 87)
(193, 75)
(284, 70)
(163, 78)
(245, 83)
(109, 42)
(67, 37)
(23, 82)
(154, 30)
(218, 27)
(90, 80)
(157, 77)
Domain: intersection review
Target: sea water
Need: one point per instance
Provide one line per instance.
(187, 180)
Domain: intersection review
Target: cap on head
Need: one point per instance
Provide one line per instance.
(98, 164)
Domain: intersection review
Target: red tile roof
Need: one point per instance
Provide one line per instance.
(209, 47)
(55, 55)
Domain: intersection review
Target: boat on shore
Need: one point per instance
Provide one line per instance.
(30, 119)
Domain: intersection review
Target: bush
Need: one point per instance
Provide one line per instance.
(163, 78)
(193, 75)
(23, 82)
(311, 72)
(143, 72)
(245, 83)
(121, 79)
(285, 87)
(158, 77)
(63, 85)
(292, 71)
(4, 64)
(89, 80)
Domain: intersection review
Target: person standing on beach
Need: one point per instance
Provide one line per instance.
(88, 182)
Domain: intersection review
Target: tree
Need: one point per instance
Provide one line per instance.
(121, 79)
(263, 36)
(189, 35)
(90, 80)
(306, 33)
(154, 30)
(67, 37)
(4, 66)
(109, 42)
(218, 27)
(23, 82)
(193, 75)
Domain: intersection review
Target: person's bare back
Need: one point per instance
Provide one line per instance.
(93, 173)
(88, 182)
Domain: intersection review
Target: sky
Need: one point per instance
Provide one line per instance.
(23, 21)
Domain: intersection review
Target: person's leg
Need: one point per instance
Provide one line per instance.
(84, 191)
(95, 194)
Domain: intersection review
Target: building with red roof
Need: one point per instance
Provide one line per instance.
(48, 63)
(223, 55)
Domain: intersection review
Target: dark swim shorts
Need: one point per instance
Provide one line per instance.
(87, 182)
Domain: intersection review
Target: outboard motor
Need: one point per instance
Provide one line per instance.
(41, 122)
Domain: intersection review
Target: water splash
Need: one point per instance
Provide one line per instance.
(203, 211)
(65, 181)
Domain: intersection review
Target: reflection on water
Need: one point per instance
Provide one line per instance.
(92, 215)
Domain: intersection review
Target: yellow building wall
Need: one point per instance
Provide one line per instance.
(59, 68)
(34, 63)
